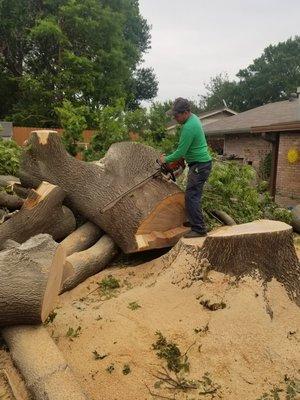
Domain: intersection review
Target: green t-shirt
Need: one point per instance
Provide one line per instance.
(192, 143)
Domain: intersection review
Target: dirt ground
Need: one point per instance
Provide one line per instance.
(248, 346)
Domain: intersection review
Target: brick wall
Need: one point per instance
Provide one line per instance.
(288, 175)
(251, 148)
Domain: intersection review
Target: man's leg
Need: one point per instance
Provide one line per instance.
(197, 177)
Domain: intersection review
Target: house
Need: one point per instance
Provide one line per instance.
(6, 130)
(270, 129)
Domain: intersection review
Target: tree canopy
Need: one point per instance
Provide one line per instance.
(269, 78)
(88, 52)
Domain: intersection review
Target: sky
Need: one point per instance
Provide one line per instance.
(194, 40)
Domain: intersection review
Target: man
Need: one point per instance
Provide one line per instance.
(193, 147)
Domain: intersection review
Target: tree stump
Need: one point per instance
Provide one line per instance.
(31, 276)
(264, 246)
(151, 216)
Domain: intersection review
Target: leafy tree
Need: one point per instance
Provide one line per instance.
(87, 52)
(269, 78)
(73, 121)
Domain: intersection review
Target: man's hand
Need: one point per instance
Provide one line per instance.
(162, 158)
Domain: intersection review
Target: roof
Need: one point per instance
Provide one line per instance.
(275, 114)
(206, 114)
(5, 129)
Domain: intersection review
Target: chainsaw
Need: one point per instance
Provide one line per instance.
(167, 171)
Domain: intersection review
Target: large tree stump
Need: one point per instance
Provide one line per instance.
(264, 246)
(31, 276)
(84, 264)
(151, 216)
(42, 212)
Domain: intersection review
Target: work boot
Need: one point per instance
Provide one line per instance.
(187, 224)
(194, 234)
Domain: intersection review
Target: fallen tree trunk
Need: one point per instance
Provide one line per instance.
(12, 202)
(264, 246)
(150, 216)
(88, 262)
(42, 212)
(81, 239)
(31, 275)
(46, 372)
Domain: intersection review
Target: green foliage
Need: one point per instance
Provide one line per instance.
(10, 154)
(73, 121)
(87, 52)
(109, 283)
(134, 305)
(73, 333)
(126, 369)
(269, 78)
(289, 389)
(170, 352)
(265, 167)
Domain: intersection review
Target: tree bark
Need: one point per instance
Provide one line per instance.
(150, 216)
(264, 246)
(89, 262)
(81, 239)
(46, 372)
(31, 276)
(42, 212)
(8, 180)
(12, 202)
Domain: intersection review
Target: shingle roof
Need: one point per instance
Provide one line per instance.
(269, 114)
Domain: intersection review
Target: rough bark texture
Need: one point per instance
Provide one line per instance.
(8, 180)
(81, 239)
(20, 190)
(296, 218)
(10, 201)
(42, 212)
(91, 187)
(31, 275)
(46, 372)
(89, 262)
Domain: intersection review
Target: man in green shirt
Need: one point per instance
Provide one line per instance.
(193, 147)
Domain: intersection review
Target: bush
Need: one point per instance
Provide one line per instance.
(10, 154)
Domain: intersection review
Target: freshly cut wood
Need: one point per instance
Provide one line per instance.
(42, 212)
(31, 275)
(8, 180)
(81, 239)
(89, 262)
(46, 372)
(10, 201)
(264, 246)
(151, 216)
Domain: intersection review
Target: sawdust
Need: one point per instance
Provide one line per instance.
(244, 334)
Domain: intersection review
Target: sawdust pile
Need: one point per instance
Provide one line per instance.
(241, 338)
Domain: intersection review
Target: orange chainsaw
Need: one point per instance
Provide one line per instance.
(168, 171)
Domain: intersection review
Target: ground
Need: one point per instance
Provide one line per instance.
(241, 338)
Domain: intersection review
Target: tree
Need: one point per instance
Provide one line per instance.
(86, 52)
(271, 77)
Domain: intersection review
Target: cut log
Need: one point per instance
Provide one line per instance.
(264, 246)
(10, 201)
(8, 180)
(31, 276)
(224, 217)
(151, 216)
(42, 212)
(89, 262)
(20, 190)
(81, 239)
(46, 372)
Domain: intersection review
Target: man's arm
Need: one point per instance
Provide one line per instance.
(185, 141)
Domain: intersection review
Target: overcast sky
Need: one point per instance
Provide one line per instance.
(193, 40)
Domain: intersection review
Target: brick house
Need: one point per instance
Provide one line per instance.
(270, 129)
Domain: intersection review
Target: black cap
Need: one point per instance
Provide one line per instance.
(180, 105)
